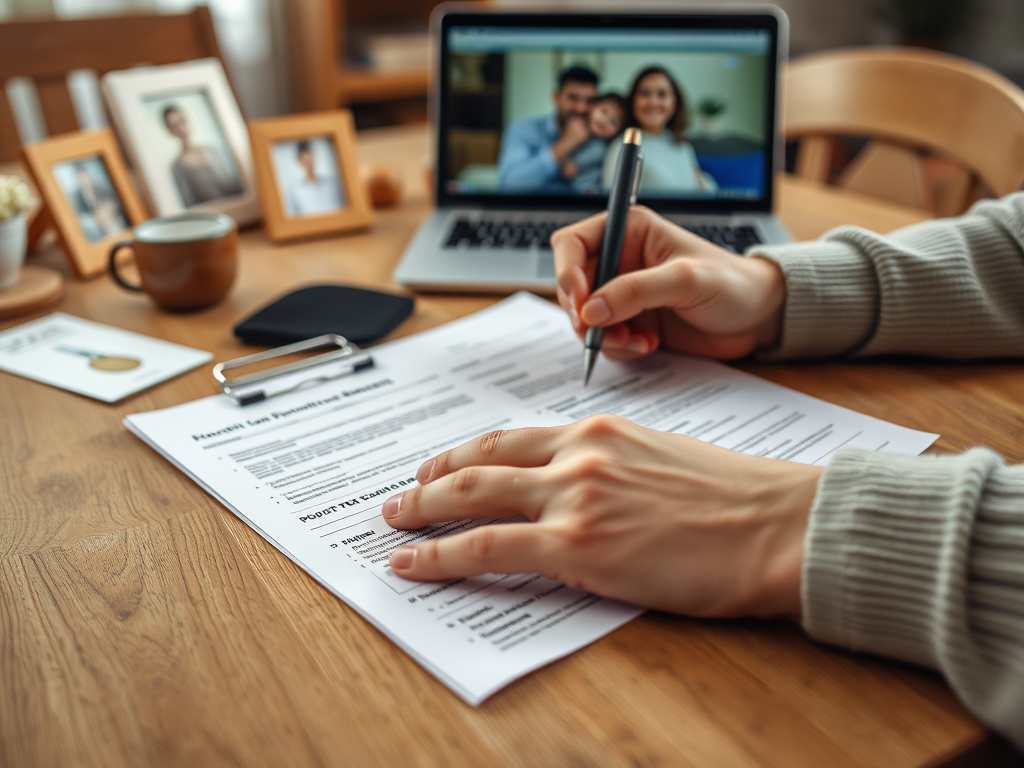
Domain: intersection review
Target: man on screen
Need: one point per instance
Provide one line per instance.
(534, 148)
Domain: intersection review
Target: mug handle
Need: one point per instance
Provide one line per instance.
(113, 266)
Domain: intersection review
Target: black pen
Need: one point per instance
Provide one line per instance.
(625, 184)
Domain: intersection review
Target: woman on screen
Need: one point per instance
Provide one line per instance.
(658, 107)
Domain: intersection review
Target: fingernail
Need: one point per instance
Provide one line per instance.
(403, 558)
(392, 507)
(637, 345)
(574, 315)
(425, 471)
(595, 311)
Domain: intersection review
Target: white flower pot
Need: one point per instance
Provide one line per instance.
(710, 126)
(13, 239)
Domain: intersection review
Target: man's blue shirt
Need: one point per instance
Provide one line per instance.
(525, 162)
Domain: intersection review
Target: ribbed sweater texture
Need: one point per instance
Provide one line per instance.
(918, 558)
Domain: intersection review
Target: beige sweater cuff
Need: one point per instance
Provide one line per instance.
(832, 299)
(885, 552)
(921, 558)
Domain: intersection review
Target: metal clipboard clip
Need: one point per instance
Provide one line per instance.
(344, 359)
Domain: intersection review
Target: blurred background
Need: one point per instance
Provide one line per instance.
(298, 55)
(286, 56)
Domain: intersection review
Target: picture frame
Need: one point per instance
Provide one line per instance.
(307, 170)
(185, 137)
(88, 194)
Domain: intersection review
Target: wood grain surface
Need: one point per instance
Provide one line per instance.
(141, 623)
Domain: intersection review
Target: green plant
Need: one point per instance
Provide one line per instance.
(14, 197)
(710, 106)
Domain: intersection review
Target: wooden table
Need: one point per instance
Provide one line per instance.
(143, 624)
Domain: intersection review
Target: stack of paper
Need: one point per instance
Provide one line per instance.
(310, 470)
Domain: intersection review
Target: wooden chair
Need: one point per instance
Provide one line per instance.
(910, 103)
(46, 50)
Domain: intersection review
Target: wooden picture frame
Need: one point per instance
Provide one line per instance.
(78, 175)
(307, 170)
(186, 138)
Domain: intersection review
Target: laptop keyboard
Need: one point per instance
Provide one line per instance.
(523, 235)
(733, 238)
(501, 233)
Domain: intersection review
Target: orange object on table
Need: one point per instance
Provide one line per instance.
(384, 185)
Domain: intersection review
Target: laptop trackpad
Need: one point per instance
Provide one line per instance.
(546, 265)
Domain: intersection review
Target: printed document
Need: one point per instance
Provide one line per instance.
(310, 470)
(92, 359)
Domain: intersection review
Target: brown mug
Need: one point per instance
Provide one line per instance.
(184, 262)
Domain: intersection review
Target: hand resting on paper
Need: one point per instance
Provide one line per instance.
(672, 523)
(675, 290)
(657, 519)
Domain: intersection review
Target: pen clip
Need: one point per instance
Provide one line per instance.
(637, 170)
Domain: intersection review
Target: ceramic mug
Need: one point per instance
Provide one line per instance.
(185, 262)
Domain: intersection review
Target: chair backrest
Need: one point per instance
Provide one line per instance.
(911, 99)
(46, 50)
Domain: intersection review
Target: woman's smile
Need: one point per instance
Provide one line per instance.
(655, 103)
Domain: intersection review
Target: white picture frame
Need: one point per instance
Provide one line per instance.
(186, 138)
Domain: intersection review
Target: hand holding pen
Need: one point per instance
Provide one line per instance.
(624, 187)
(674, 291)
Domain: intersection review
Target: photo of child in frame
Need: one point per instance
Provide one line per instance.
(90, 192)
(308, 177)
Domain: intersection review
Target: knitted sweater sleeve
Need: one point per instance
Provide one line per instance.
(921, 558)
(950, 288)
(918, 558)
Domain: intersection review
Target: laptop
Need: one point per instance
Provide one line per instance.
(529, 109)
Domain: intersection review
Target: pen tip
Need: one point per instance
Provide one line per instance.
(588, 365)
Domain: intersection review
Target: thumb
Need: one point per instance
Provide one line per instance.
(667, 285)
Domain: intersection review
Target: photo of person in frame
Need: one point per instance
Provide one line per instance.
(308, 177)
(91, 194)
(190, 136)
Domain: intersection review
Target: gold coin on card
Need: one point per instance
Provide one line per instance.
(111, 363)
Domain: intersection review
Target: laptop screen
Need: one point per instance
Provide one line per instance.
(533, 108)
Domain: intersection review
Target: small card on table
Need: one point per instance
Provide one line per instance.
(92, 359)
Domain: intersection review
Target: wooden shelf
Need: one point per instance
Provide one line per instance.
(357, 84)
(318, 31)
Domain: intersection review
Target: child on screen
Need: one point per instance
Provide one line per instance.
(606, 121)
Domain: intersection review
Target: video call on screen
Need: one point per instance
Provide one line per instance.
(699, 96)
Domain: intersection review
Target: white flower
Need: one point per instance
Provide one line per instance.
(14, 197)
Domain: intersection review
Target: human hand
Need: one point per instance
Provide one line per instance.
(674, 289)
(574, 133)
(617, 509)
(569, 170)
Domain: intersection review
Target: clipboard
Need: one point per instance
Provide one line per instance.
(343, 358)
